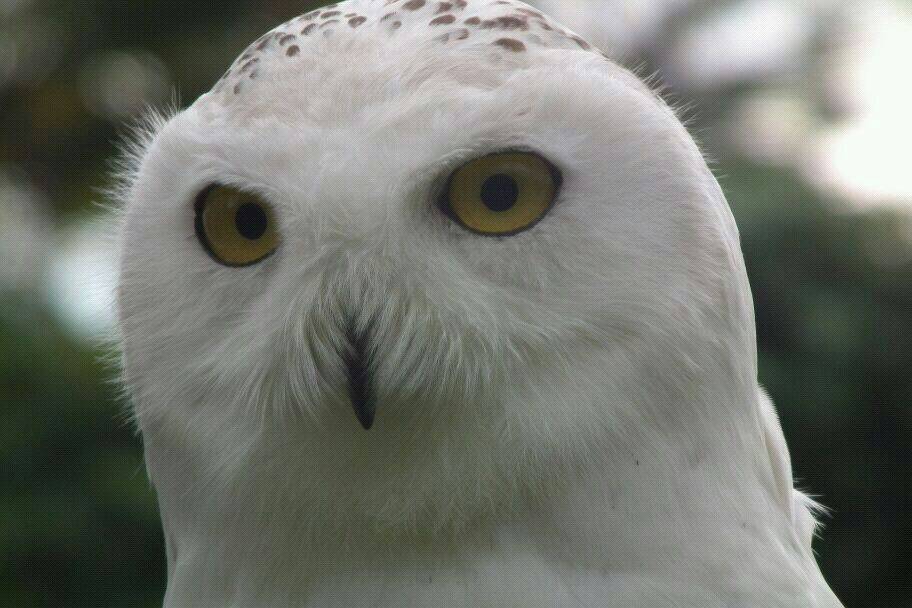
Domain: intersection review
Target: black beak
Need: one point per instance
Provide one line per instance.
(359, 382)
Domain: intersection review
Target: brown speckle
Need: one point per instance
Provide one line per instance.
(293, 50)
(460, 34)
(330, 22)
(350, 15)
(506, 23)
(473, 21)
(253, 75)
(443, 20)
(414, 5)
(387, 16)
(545, 26)
(530, 12)
(460, 4)
(356, 21)
(310, 16)
(308, 29)
(286, 39)
(237, 88)
(329, 14)
(248, 65)
(511, 44)
(582, 43)
(444, 7)
(396, 25)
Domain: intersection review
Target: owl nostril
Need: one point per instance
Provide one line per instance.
(359, 383)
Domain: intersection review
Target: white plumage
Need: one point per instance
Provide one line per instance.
(568, 416)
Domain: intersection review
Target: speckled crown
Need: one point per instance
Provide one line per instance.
(506, 26)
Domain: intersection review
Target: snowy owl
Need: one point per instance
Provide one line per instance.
(431, 304)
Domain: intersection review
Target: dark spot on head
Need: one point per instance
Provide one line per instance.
(506, 23)
(511, 44)
(248, 65)
(444, 7)
(308, 29)
(309, 16)
(356, 21)
(293, 50)
(329, 14)
(413, 5)
(473, 20)
(443, 20)
(286, 39)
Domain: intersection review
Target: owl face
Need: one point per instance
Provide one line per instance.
(404, 287)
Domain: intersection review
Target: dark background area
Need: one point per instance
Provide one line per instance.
(830, 266)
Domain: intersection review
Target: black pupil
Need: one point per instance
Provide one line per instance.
(251, 221)
(499, 192)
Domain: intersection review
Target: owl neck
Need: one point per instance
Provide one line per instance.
(699, 480)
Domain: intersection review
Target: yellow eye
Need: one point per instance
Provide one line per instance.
(236, 228)
(503, 193)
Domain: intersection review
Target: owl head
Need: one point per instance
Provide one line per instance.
(412, 264)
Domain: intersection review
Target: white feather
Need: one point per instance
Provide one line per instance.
(566, 417)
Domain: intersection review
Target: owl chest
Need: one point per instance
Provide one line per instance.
(521, 582)
(480, 582)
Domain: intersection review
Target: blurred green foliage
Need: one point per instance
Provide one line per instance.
(78, 521)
